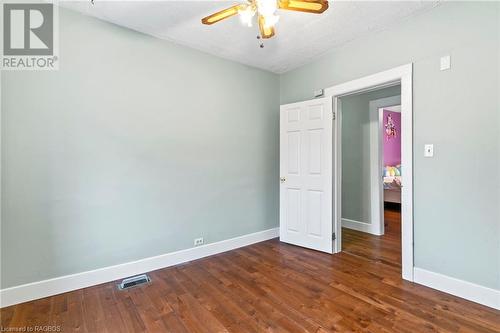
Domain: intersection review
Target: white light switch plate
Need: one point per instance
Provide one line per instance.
(429, 150)
(445, 63)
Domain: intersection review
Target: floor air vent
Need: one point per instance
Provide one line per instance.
(133, 281)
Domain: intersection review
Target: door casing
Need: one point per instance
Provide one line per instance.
(402, 75)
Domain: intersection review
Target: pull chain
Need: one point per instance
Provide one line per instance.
(261, 44)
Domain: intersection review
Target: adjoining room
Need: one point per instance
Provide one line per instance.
(371, 174)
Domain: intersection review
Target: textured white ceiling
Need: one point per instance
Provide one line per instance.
(300, 37)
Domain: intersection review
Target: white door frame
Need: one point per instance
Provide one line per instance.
(377, 161)
(404, 76)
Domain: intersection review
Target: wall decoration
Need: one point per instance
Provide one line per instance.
(391, 136)
(390, 128)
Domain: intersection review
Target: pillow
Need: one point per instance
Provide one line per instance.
(397, 170)
(392, 171)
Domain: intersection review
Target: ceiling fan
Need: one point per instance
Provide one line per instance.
(266, 12)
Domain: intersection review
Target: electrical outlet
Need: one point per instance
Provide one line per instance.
(198, 241)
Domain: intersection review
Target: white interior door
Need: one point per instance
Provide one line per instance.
(306, 205)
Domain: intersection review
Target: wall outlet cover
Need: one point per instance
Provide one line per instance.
(198, 241)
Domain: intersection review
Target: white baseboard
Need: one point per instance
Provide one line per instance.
(45, 288)
(467, 290)
(360, 226)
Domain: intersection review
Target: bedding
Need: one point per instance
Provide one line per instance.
(392, 177)
(392, 171)
(392, 182)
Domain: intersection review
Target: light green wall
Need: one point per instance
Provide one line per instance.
(132, 149)
(356, 199)
(456, 193)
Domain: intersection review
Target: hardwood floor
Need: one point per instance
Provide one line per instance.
(268, 287)
(385, 249)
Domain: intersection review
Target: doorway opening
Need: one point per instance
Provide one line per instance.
(400, 79)
(371, 174)
(311, 201)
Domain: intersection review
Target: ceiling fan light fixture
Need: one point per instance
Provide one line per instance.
(266, 10)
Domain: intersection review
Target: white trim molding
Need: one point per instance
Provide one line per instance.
(361, 226)
(45, 288)
(467, 290)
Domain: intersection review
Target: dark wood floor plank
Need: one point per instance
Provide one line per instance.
(59, 311)
(112, 316)
(269, 287)
(148, 314)
(75, 318)
(92, 310)
(130, 314)
(268, 307)
(280, 298)
(173, 324)
(245, 300)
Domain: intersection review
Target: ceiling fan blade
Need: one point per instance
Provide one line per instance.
(308, 6)
(223, 14)
(265, 32)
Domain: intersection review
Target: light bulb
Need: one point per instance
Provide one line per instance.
(271, 20)
(246, 15)
(267, 7)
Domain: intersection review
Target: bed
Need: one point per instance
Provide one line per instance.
(392, 184)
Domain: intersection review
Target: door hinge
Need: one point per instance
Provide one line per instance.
(333, 115)
(333, 236)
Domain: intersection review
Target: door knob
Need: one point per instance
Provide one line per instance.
(283, 179)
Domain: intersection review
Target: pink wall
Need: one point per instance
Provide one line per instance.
(392, 145)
